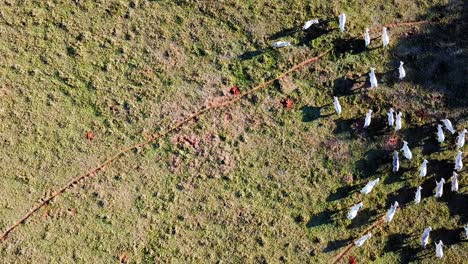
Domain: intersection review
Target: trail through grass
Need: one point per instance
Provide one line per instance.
(259, 183)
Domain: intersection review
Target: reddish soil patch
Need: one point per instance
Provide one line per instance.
(391, 142)
(89, 135)
(287, 103)
(123, 258)
(234, 90)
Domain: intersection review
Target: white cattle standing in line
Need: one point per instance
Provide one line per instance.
(366, 37)
(440, 134)
(362, 239)
(466, 231)
(439, 250)
(395, 161)
(337, 105)
(448, 125)
(406, 151)
(391, 212)
(385, 38)
(309, 23)
(398, 121)
(454, 181)
(391, 121)
(401, 71)
(459, 161)
(373, 79)
(439, 188)
(342, 20)
(417, 196)
(461, 139)
(280, 44)
(423, 169)
(368, 118)
(425, 236)
(369, 186)
(354, 210)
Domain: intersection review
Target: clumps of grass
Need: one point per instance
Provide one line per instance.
(286, 85)
(255, 171)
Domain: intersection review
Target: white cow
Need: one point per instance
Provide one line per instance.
(425, 236)
(459, 161)
(354, 210)
(466, 231)
(396, 161)
(398, 121)
(391, 121)
(337, 105)
(342, 20)
(454, 181)
(461, 139)
(373, 79)
(362, 239)
(406, 151)
(439, 250)
(369, 186)
(368, 118)
(309, 23)
(423, 169)
(366, 37)
(391, 212)
(448, 125)
(440, 134)
(417, 196)
(385, 38)
(401, 71)
(440, 188)
(280, 44)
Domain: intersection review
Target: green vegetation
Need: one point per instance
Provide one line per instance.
(258, 183)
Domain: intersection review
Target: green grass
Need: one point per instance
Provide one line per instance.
(265, 184)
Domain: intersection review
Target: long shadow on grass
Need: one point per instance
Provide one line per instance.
(284, 33)
(428, 187)
(336, 244)
(251, 54)
(314, 32)
(403, 196)
(422, 136)
(324, 217)
(345, 86)
(364, 217)
(370, 163)
(448, 236)
(455, 201)
(312, 113)
(431, 146)
(378, 127)
(440, 169)
(399, 243)
(457, 205)
(344, 125)
(435, 58)
(354, 83)
(352, 46)
(343, 191)
(394, 177)
(356, 126)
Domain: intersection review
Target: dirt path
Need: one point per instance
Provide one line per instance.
(212, 106)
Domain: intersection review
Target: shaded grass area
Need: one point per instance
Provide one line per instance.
(261, 184)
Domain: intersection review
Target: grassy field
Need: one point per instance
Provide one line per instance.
(252, 183)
